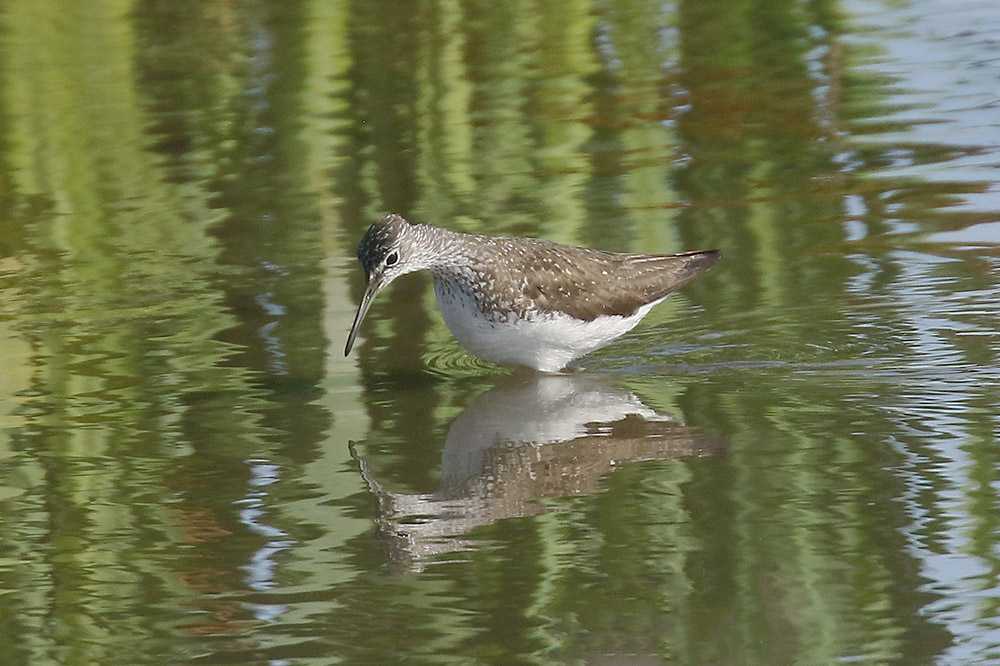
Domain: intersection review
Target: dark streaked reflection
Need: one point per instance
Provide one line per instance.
(528, 438)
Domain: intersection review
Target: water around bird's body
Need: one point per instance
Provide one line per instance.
(794, 460)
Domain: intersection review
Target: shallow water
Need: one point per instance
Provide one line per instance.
(794, 460)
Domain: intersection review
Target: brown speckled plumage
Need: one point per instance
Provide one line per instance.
(535, 276)
(522, 279)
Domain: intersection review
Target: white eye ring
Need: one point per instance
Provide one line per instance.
(392, 258)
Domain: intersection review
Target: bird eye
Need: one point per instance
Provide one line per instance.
(392, 258)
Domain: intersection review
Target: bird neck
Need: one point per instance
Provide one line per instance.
(437, 250)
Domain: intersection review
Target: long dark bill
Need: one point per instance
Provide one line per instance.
(366, 302)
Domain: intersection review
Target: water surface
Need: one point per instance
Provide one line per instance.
(794, 460)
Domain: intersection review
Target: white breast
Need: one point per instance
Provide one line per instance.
(546, 342)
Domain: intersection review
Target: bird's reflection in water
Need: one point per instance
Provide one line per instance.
(529, 437)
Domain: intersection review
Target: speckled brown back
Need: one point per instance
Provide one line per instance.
(529, 275)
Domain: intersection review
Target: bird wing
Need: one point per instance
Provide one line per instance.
(588, 284)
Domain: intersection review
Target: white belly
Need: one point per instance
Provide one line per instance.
(547, 342)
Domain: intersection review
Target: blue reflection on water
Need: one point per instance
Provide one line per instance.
(260, 570)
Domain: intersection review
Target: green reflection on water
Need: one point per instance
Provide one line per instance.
(182, 185)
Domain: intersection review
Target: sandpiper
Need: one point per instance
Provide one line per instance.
(523, 301)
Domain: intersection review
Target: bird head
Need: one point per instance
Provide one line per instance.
(382, 253)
